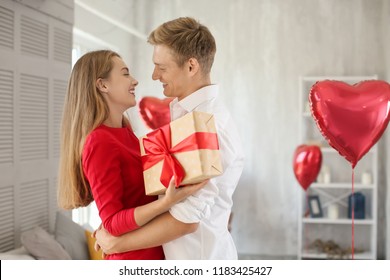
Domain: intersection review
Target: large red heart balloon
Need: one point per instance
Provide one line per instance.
(307, 164)
(155, 111)
(352, 118)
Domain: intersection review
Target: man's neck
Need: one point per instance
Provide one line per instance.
(197, 86)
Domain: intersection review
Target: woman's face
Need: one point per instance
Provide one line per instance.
(120, 86)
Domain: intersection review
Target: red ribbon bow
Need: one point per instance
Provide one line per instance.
(158, 147)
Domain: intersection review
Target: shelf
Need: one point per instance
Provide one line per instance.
(338, 188)
(315, 255)
(330, 150)
(337, 221)
(341, 186)
(339, 78)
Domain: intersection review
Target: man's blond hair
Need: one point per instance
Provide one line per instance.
(187, 38)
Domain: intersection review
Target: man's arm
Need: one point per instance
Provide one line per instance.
(162, 229)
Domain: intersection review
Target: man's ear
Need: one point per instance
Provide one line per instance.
(193, 66)
(101, 86)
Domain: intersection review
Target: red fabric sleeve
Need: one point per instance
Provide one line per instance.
(101, 165)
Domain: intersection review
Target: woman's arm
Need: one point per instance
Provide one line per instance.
(145, 213)
(101, 165)
(160, 230)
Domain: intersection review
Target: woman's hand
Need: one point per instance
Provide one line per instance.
(174, 195)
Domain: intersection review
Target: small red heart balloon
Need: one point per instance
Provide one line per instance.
(307, 164)
(352, 118)
(155, 111)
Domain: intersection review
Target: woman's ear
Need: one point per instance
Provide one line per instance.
(101, 86)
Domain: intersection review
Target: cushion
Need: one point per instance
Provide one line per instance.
(6, 256)
(93, 255)
(41, 245)
(72, 237)
(16, 254)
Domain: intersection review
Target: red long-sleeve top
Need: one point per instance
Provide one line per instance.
(112, 165)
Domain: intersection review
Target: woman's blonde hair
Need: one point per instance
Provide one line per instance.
(84, 109)
(187, 38)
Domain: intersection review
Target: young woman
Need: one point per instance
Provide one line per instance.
(100, 155)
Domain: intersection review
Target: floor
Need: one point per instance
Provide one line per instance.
(264, 257)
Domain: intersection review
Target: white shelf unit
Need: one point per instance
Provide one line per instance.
(336, 190)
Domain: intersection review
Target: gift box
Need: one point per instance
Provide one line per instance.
(186, 148)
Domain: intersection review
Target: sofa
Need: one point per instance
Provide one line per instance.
(70, 241)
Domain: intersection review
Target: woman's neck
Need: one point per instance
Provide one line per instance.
(114, 121)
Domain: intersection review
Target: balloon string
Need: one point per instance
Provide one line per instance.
(305, 243)
(353, 213)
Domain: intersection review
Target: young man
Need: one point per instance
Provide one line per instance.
(196, 228)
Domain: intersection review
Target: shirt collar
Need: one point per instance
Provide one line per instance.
(195, 99)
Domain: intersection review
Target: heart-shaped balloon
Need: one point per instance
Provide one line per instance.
(352, 118)
(155, 111)
(307, 164)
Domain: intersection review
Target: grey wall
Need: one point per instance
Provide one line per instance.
(385, 201)
(35, 62)
(264, 46)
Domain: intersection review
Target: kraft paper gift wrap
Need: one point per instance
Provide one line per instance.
(186, 148)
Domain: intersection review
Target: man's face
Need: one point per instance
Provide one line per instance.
(175, 79)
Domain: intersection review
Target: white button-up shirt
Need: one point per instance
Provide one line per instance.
(210, 206)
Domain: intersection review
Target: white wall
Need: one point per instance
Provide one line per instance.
(263, 47)
(385, 162)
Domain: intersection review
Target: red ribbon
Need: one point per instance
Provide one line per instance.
(158, 147)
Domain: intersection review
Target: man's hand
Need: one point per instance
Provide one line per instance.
(96, 245)
(133, 240)
(105, 241)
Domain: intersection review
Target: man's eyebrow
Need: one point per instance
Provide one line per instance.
(125, 68)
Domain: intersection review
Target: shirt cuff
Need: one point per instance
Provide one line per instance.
(196, 207)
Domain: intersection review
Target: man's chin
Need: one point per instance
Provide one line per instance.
(167, 93)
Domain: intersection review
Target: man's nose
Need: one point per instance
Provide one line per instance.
(155, 75)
